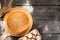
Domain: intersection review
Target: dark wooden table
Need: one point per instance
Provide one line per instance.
(46, 16)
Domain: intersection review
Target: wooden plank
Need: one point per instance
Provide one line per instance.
(45, 2)
(51, 37)
(37, 2)
(46, 12)
(47, 26)
(34, 2)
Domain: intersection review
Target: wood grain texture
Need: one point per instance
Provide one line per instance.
(47, 26)
(51, 37)
(46, 12)
(37, 2)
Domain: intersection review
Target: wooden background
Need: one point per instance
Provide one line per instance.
(46, 16)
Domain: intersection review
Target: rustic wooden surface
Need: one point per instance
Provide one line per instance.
(38, 2)
(46, 16)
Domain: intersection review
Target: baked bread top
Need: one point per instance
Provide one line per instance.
(17, 21)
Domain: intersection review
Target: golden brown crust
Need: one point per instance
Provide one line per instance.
(14, 25)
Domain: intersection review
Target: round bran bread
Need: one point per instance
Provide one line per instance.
(17, 22)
